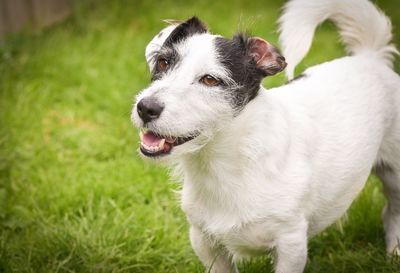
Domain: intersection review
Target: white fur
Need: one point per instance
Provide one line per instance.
(294, 159)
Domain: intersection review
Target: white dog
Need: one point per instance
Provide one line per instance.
(269, 169)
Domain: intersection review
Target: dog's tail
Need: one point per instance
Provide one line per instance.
(363, 27)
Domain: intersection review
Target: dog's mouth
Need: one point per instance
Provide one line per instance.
(153, 144)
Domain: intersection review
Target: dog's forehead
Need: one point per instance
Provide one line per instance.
(199, 46)
(199, 54)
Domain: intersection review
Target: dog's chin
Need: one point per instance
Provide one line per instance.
(157, 146)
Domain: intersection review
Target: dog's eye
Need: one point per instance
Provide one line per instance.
(162, 64)
(209, 80)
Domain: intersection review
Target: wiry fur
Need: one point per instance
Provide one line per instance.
(294, 158)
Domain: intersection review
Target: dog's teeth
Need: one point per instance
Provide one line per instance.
(141, 134)
(161, 144)
(170, 139)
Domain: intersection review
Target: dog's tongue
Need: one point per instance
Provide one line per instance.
(150, 139)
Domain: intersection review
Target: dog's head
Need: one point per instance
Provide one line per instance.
(200, 82)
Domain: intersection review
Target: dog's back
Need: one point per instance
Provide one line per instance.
(355, 100)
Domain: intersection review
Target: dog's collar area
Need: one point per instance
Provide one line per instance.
(153, 144)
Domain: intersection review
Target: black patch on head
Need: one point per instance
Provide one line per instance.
(184, 30)
(233, 56)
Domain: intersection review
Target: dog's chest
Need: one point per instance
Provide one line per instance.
(237, 210)
(241, 238)
(238, 229)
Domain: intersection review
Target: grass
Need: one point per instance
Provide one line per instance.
(74, 195)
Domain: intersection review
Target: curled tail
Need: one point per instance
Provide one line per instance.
(362, 26)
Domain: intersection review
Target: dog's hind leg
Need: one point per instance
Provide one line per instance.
(390, 177)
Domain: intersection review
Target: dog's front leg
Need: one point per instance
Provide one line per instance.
(291, 249)
(215, 259)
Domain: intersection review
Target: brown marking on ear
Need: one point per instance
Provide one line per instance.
(266, 57)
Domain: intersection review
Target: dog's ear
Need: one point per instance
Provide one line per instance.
(158, 40)
(266, 57)
(188, 28)
(175, 32)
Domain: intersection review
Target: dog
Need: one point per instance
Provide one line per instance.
(266, 170)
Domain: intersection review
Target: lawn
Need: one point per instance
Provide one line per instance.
(74, 194)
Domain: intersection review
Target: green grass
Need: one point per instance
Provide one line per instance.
(75, 196)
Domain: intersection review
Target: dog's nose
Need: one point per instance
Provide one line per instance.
(149, 109)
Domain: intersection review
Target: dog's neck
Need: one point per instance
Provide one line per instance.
(233, 151)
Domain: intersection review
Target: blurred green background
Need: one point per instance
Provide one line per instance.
(74, 194)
